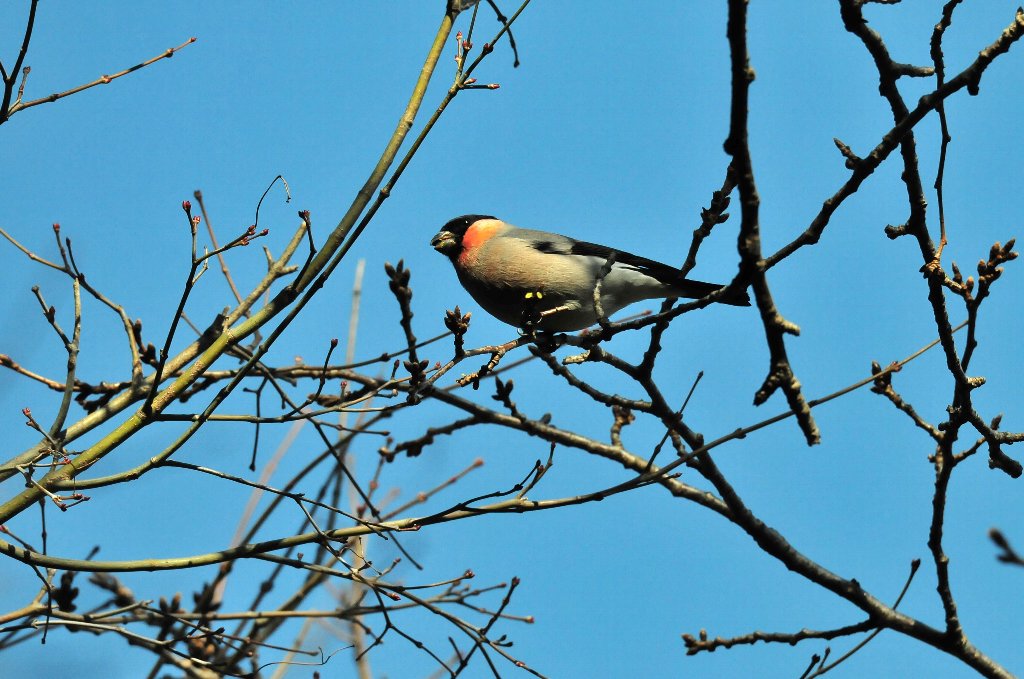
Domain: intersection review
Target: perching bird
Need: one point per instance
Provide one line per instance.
(521, 275)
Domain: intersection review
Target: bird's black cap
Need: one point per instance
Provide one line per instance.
(460, 224)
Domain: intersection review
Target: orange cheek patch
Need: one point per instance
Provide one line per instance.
(479, 233)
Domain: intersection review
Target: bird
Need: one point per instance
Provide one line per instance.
(526, 277)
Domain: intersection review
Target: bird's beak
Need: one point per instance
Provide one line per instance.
(444, 242)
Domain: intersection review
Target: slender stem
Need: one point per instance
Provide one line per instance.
(309, 282)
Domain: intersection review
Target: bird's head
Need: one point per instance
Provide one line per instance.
(449, 240)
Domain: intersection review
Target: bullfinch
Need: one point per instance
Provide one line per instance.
(523, 276)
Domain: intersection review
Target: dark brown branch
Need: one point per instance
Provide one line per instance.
(10, 77)
(701, 642)
(752, 266)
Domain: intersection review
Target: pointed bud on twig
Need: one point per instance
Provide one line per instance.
(852, 160)
(998, 538)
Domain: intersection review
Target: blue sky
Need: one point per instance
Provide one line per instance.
(611, 131)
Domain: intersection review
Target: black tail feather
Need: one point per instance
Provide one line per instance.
(696, 289)
(662, 272)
